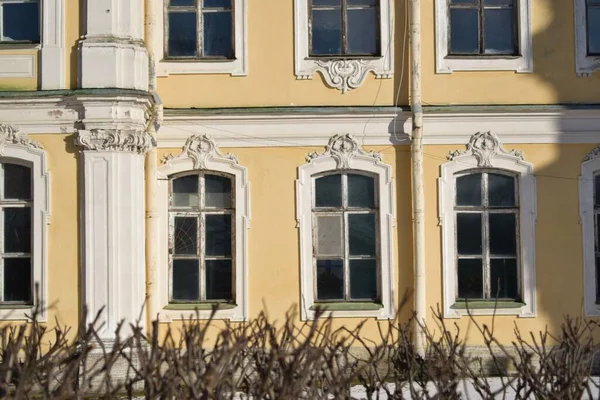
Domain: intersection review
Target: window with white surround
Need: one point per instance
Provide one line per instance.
(587, 36)
(487, 211)
(345, 215)
(589, 207)
(203, 199)
(483, 35)
(24, 214)
(20, 21)
(202, 36)
(343, 40)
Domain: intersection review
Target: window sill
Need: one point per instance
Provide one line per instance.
(199, 306)
(343, 57)
(482, 57)
(197, 59)
(487, 305)
(15, 306)
(347, 306)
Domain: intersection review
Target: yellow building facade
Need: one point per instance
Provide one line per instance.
(173, 154)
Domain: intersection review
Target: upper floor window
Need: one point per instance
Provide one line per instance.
(593, 27)
(202, 216)
(345, 215)
(483, 27)
(487, 257)
(199, 29)
(16, 203)
(597, 233)
(344, 28)
(20, 21)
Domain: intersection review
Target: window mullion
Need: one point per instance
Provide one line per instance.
(486, 239)
(199, 25)
(346, 256)
(481, 27)
(1, 239)
(201, 245)
(344, 28)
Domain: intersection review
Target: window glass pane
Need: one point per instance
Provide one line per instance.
(597, 230)
(329, 235)
(363, 31)
(186, 281)
(181, 3)
(218, 34)
(470, 279)
(186, 235)
(361, 191)
(362, 234)
(17, 279)
(185, 191)
(597, 190)
(363, 279)
(217, 3)
(330, 3)
(593, 33)
(21, 21)
(182, 34)
(330, 280)
(464, 1)
(499, 31)
(468, 190)
(597, 280)
(218, 280)
(504, 279)
(328, 191)
(503, 231)
(498, 2)
(218, 191)
(17, 182)
(464, 31)
(17, 230)
(326, 32)
(501, 190)
(362, 3)
(468, 231)
(218, 235)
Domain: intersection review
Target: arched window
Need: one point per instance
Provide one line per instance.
(487, 212)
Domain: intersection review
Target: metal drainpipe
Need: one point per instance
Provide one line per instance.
(418, 190)
(151, 174)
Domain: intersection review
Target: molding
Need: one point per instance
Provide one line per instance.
(590, 167)
(53, 52)
(445, 65)
(343, 74)
(235, 67)
(17, 66)
(201, 153)
(15, 146)
(584, 65)
(485, 150)
(114, 140)
(344, 152)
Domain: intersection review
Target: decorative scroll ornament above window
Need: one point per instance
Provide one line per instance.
(345, 75)
(484, 146)
(201, 149)
(342, 148)
(115, 140)
(9, 135)
(592, 155)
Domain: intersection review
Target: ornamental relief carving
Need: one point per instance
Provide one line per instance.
(115, 140)
(9, 135)
(201, 149)
(345, 75)
(484, 146)
(342, 148)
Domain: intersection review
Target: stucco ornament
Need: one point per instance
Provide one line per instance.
(342, 148)
(201, 149)
(592, 155)
(9, 135)
(344, 75)
(484, 146)
(115, 140)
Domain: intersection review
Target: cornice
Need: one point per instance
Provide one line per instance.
(114, 140)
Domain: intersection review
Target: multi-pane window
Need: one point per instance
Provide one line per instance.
(345, 237)
(597, 233)
(201, 215)
(593, 27)
(20, 21)
(483, 27)
(15, 236)
(344, 28)
(199, 29)
(487, 242)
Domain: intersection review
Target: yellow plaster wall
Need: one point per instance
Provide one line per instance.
(10, 84)
(553, 79)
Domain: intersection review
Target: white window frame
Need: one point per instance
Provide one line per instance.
(237, 66)
(343, 153)
(52, 50)
(201, 154)
(590, 167)
(584, 65)
(485, 151)
(2, 16)
(18, 149)
(446, 65)
(342, 73)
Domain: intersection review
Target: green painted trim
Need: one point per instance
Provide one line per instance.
(199, 306)
(20, 306)
(348, 306)
(433, 109)
(325, 110)
(73, 92)
(478, 305)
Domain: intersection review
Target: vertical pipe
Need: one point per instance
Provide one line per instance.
(418, 190)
